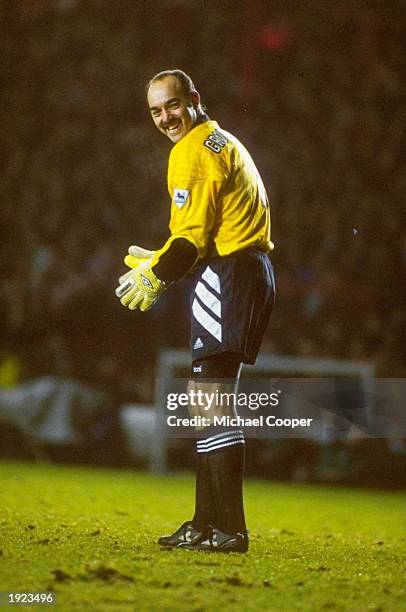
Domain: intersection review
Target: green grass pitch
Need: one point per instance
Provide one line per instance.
(89, 534)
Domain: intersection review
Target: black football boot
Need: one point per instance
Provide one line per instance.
(186, 534)
(215, 540)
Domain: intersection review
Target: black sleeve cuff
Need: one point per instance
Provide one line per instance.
(176, 261)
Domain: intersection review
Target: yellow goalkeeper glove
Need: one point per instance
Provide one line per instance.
(141, 288)
(136, 256)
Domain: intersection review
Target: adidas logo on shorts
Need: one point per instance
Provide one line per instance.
(198, 344)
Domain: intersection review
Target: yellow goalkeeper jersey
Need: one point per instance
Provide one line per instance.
(219, 202)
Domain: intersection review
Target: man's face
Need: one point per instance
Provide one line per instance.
(173, 111)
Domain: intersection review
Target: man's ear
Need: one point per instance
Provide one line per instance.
(195, 99)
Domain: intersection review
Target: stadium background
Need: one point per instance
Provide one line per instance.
(314, 89)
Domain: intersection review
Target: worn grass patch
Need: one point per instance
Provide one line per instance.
(90, 536)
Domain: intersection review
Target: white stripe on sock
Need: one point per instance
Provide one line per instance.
(220, 445)
(223, 434)
(210, 443)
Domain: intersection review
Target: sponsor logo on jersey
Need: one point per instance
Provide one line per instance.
(198, 344)
(180, 197)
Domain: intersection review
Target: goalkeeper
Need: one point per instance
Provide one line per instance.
(220, 229)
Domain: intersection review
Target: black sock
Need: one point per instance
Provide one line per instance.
(205, 508)
(227, 471)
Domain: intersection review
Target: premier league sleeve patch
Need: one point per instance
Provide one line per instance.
(180, 197)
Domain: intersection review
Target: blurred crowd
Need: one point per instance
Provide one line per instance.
(313, 89)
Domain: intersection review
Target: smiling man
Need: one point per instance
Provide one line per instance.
(174, 105)
(220, 231)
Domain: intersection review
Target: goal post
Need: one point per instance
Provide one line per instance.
(175, 363)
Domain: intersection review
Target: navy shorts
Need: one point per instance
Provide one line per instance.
(231, 304)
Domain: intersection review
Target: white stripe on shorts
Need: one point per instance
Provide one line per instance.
(206, 320)
(209, 299)
(211, 279)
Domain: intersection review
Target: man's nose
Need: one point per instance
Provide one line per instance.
(166, 116)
